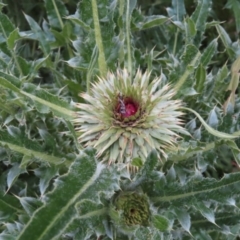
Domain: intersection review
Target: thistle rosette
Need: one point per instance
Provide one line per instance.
(125, 118)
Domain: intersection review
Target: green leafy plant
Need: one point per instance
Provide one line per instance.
(183, 182)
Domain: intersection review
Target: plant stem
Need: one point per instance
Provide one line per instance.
(58, 14)
(175, 42)
(128, 39)
(98, 37)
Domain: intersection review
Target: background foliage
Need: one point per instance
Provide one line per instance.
(51, 50)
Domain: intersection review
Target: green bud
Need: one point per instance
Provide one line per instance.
(130, 210)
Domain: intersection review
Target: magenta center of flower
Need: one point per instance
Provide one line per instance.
(126, 107)
(131, 109)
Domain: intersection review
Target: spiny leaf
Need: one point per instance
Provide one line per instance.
(59, 107)
(13, 37)
(227, 42)
(235, 6)
(213, 118)
(29, 204)
(7, 84)
(79, 22)
(45, 175)
(161, 223)
(190, 30)
(27, 147)
(42, 97)
(206, 212)
(150, 22)
(209, 52)
(38, 34)
(13, 174)
(204, 189)
(193, 64)
(200, 14)
(50, 220)
(11, 79)
(9, 205)
(76, 195)
(6, 26)
(200, 76)
(178, 11)
(183, 218)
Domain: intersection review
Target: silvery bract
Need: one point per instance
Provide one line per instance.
(126, 117)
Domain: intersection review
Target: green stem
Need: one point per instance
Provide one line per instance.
(128, 19)
(94, 213)
(58, 14)
(175, 42)
(98, 37)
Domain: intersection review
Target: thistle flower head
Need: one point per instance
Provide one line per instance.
(130, 210)
(125, 118)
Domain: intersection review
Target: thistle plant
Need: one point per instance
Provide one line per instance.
(126, 117)
(166, 68)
